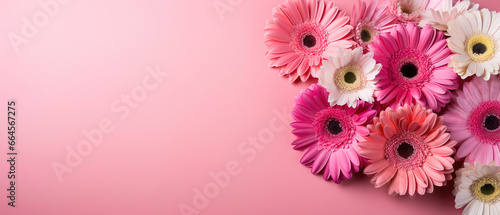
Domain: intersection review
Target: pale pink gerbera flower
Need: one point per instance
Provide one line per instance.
(370, 20)
(414, 67)
(304, 32)
(408, 150)
(349, 76)
(473, 120)
(330, 134)
(439, 18)
(411, 10)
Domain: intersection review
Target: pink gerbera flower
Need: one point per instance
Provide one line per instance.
(302, 33)
(329, 133)
(414, 67)
(411, 10)
(369, 21)
(474, 120)
(408, 150)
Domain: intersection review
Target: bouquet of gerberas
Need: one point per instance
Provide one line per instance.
(390, 99)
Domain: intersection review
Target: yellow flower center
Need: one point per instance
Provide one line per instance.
(350, 78)
(480, 48)
(487, 189)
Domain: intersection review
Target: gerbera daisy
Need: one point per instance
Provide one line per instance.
(349, 76)
(411, 10)
(474, 38)
(478, 187)
(473, 120)
(414, 67)
(330, 134)
(369, 21)
(439, 19)
(408, 150)
(304, 32)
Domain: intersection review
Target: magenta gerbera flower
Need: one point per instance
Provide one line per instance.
(302, 33)
(369, 21)
(330, 134)
(414, 67)
(474, 120)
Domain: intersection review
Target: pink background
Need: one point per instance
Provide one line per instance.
(219, 93)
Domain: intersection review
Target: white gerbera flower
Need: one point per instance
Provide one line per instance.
(349, 76)
(478, 187)
(411, 10)
(475, 40)
(439, 18)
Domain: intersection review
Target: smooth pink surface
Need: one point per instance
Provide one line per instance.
(219, 94)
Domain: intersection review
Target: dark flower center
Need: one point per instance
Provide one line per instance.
(366, 36)
(405, 150)
(334, 127)
(350, 77)
(487, 189)
(309, 41)
(492, 122)
(479, 49)
(409, 70)
(406, 10)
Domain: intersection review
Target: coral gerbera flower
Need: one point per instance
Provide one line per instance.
(475, 40)
(349, 76)
(408, 150)
(478, 187)
(439, 19)
(304, 32)
(330, 134)
(473, 120)
(414, 67)
(369, 21)
(411, 10)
